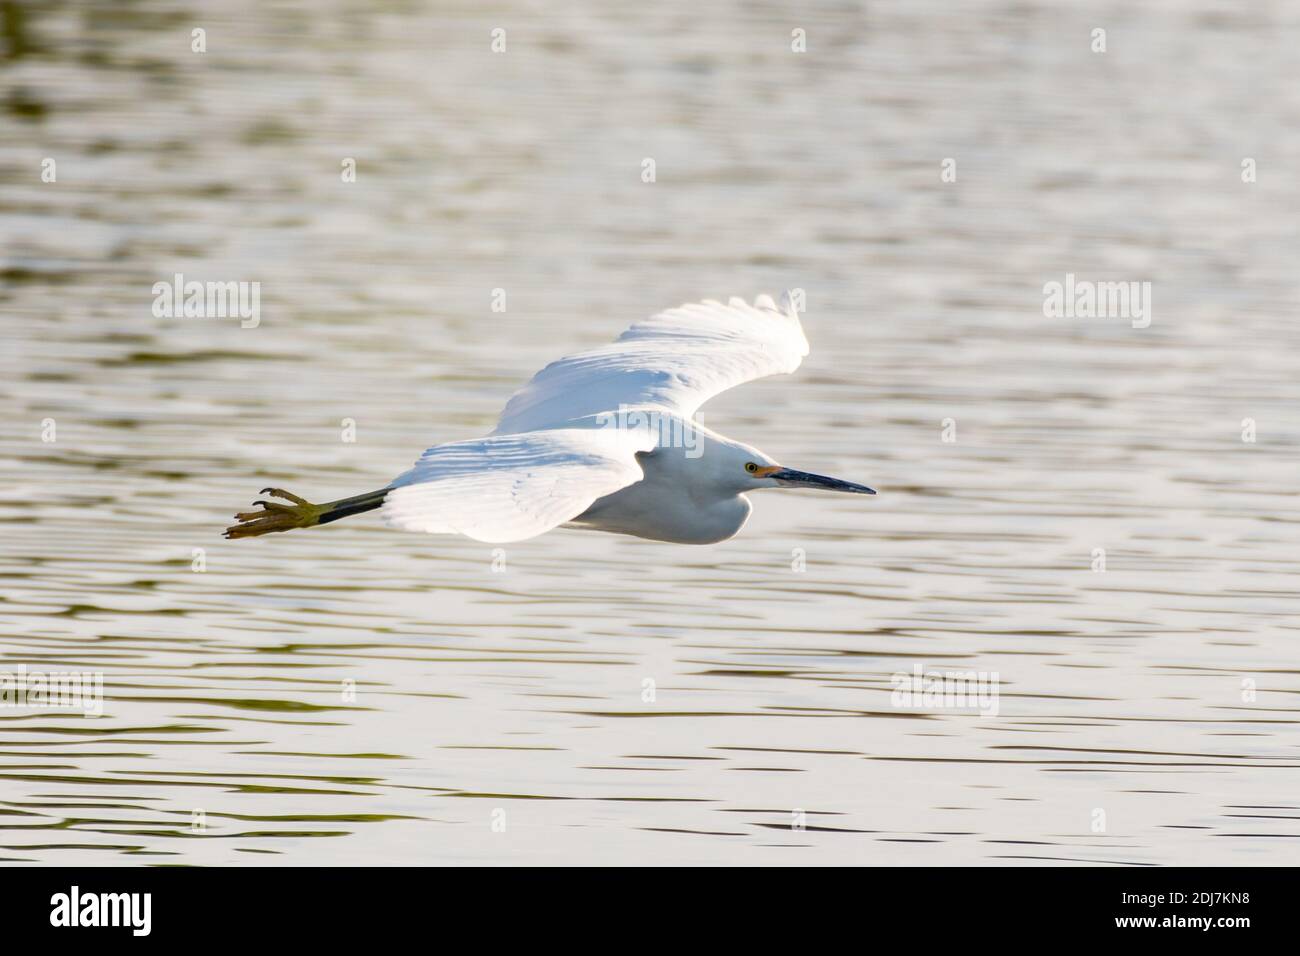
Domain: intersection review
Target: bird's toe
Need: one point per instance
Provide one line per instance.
(286, 495)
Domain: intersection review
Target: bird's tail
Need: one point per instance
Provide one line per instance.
(275, 516)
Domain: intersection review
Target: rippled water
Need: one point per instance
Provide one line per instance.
(515, 697)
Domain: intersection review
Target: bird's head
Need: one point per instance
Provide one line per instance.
(748, 469)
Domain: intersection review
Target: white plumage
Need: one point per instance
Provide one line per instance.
(509, 487)
(603, 439)
(673, 362)
(552, 455)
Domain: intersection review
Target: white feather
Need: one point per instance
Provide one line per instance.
(560, 443)
(674, 362)
(511, 487)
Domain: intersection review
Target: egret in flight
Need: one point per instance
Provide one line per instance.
(605, 440)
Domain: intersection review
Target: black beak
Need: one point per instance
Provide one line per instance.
(803, 479)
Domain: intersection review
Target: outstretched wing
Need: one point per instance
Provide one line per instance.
(511, 487)
(674, 362)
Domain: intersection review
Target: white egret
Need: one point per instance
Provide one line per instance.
(604, 439)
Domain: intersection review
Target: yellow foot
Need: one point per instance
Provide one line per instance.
(275, 516)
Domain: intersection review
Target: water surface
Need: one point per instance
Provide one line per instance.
(359, 695)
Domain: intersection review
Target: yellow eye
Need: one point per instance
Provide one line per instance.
(751, 467)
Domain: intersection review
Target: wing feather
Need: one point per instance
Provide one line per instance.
(674, 361)
(511, 487)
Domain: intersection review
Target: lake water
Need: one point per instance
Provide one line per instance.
(359, 695)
